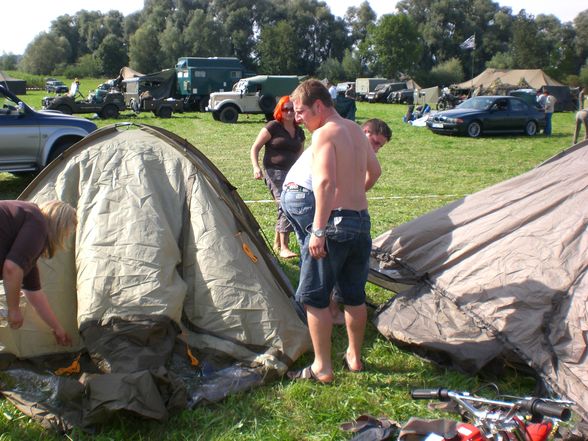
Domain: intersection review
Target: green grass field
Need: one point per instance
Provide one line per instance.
(421, 171)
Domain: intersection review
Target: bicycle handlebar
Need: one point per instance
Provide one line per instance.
(535, 406)
(440, 394)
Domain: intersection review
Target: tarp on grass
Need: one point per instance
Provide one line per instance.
(501, 274)
(169, 289)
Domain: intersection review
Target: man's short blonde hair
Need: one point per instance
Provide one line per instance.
(310, 91)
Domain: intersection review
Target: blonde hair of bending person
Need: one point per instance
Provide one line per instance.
(61, 221)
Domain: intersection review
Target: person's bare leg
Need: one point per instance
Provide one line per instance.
(355, 320)
(320, 326)
(285, 252)
(336, 313)
(277, 243)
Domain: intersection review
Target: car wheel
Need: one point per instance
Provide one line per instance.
(109, 111)
(531, 128)
(165, 112)
(58, 149)
(215, 116)
(65, 109)
(474, 129)
(229, 115)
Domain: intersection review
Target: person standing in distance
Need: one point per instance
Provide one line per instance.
(28, 231)
(340, 244)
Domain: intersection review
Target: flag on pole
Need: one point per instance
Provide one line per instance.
(470, 43)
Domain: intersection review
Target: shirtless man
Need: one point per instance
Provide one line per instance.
(340, 244)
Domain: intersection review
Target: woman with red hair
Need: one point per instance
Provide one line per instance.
(284, 142)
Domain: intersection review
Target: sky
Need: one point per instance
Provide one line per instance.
(23, 20)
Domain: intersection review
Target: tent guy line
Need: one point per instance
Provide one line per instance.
(379, 198)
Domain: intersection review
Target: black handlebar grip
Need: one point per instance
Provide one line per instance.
(537, 406)
(430, 394)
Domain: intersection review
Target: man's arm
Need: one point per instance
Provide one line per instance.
(324, 183)
(373, 171)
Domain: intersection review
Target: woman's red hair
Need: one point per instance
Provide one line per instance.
(278, 116)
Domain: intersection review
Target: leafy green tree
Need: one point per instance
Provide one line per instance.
(144, 50)
(66, 26)
(351, 65)
(529, 48)
(396, 46)
(204, 36)
(331, 69)
(581, 29)
(278, 62)
(358, 20)
(502, 60)
(8, 61)
(111, 55)
(44, 53)
(447, 73)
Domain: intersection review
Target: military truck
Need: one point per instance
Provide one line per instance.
(256, 95)
(153, 92)
(106, 105)
(198, 77)
(363, 86)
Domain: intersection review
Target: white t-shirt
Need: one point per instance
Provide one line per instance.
(301, 172)
(333, 91)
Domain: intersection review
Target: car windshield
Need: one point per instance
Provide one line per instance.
(478, 103)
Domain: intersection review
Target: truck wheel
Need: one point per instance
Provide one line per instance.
(229, 115)
(203, 103)
(109, 111)
(267, 103)
(165, 112)
(215, 116)
(64, 109)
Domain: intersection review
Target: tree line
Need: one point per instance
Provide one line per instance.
(421, 41)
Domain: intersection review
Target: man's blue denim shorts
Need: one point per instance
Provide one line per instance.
(347, 262)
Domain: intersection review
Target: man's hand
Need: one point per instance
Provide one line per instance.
(316, 247)
(15, 317)
(61, 337)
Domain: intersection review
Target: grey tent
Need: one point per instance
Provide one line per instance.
(501, 274)
(169, 288)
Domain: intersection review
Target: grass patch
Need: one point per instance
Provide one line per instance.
(421, 171)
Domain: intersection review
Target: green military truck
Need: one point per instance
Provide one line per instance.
(257, 95)
(198, 77)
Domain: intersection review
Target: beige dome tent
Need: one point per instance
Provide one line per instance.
(169, 289)
(502, 274)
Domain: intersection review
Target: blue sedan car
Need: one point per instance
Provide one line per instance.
(489, 114)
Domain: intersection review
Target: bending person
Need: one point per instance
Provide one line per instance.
(28, 231)
(284, 142)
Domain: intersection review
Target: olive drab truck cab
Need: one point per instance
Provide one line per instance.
(198, 77)
(254, 95)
